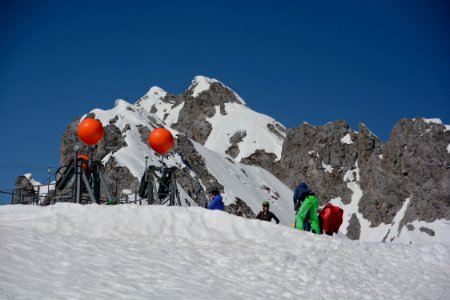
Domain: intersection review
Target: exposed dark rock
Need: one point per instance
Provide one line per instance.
(144, 132)
(354, 228)
(411, 164)
(414, 166)
(119, 178)
(240, 208)
(238, 137)
(114, 120)
(222, 109)
(372, 176)
(126, 128)
(194, 162)
(276, 130)
(233, 151)
(195, 111)
(235, 139)
(427, 231)
(307, 149)
(196, 128)
(261, 159)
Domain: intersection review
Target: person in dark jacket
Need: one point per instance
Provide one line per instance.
(265, 214)
(215, 199)
(300, 193)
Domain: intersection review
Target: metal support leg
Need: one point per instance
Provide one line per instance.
(88, 187)
(105, 185)
(151, 199)
(78, 182)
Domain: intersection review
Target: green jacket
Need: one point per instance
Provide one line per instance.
(311, 204)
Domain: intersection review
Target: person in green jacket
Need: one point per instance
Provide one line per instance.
(308, 208)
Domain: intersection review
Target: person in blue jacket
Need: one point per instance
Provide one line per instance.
(215, 199)
(300, 193)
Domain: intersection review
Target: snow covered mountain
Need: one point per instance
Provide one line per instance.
(125, 146)
(393, 192)
(214, 115)
(69, 251)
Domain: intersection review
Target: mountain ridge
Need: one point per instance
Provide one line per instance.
(347, 167)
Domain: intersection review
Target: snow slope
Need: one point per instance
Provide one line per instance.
(68, 251)
(254, 184)
(240, 118)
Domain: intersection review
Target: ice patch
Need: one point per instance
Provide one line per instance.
(327, 168)
(200, 84)
(347, 139)
(437, 121)
(352, 174)
(433, 120)
(394, 232)
(241, 118)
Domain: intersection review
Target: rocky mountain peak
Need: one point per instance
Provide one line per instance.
(212, 91)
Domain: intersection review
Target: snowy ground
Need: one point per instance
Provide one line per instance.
(69, 251)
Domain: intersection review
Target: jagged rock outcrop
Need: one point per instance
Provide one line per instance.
(240, 208)
(354, 228)
(261, 159)
(192, 117)
(414, 164)
(416, 159)
(317, 156)
(236, 138)
(194, 185)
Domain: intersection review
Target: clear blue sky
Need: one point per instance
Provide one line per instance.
(316, 61)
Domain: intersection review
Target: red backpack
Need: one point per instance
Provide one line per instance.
(330, 218)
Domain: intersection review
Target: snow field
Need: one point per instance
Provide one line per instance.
(156, 252)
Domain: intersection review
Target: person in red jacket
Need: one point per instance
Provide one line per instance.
(330, 219)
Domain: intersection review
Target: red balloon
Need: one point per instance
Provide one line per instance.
(161, 140)
(90, 131)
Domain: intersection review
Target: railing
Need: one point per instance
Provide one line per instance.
(47, 195)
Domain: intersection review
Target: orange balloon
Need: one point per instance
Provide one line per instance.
(90, 131)
(161, 140)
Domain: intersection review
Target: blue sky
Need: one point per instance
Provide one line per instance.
(316, 61)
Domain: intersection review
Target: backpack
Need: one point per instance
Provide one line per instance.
(330, 219)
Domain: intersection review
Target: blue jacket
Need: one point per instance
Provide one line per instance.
(216, 203)
(299, 190)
